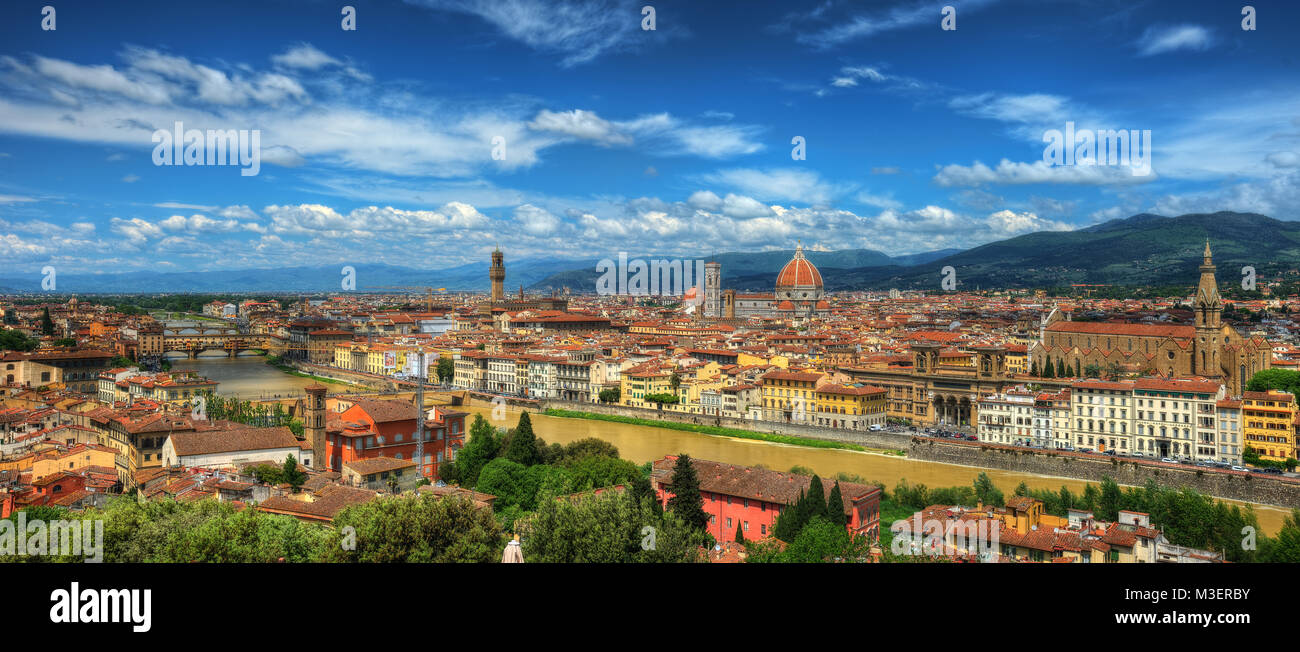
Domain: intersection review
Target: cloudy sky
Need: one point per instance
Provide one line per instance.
(377, 144)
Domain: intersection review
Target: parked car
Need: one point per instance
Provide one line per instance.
(1238, 468)
(1110, 452)
(1085, 450)
(876, 427)
(972, 438)
(1168, 460)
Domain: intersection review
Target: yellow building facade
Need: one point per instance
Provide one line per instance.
(1267, 419)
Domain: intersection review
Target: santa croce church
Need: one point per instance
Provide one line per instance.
(1208, 348)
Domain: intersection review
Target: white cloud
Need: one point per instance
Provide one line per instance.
(789, 184)
(578, 30)
(742, 207)
(1283, 159)
(135, 230)
(537, 221)
(841, 29)
(580, 124)
(304, 56)
(1006, 224)
(1162, 39)
(1019, 173)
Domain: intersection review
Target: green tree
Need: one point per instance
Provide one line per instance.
(611, 395)
(1113, 371)
(815, 503)
(65, 341)
(835, 507)
(16, 340)
(1060, 368)
(1048, 370)
(1280, 379)
(986, 492)
(686, 502)
(523, 443)
(1285, 548)
(643, 494)
(1033, 368)
(1110, 502)
(446, 369)
(595, 471)
(290, 473)
(47, 324)
(510, 482)
(610, 527)
(740, 535)
(791, 520)
(416, 529)
(820, 541)
(586, 447)
(483, 445)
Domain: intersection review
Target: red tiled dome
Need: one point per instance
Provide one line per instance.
(799, 273)
(785, 305)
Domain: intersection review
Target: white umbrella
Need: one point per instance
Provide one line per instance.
(514, 554)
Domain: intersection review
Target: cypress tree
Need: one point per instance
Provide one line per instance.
(1060, 368)
(1033, 368)
(835, 507)
(523, 443)
(686, 502)
(740, 535)
(47, 324)
(816, 500)
(1048, 370)
(1077, 372)
(791, 520)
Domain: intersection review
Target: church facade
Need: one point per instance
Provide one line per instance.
(1208, 348)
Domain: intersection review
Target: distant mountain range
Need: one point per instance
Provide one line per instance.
(324, 278)
(748, 270)
(1144, 249)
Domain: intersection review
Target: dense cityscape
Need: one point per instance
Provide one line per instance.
(1125, 388)
(302, 300)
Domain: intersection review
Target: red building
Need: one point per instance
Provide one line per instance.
(752, 498)
(380, 428)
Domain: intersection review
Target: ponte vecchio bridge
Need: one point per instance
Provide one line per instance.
(194, 340)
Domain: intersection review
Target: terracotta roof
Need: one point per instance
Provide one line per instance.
(1108, 328)
(329, 501)
(758, 484)
(226, 441)
(386, 411)
(377, 465)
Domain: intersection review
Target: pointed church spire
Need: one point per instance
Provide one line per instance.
(1208, 304)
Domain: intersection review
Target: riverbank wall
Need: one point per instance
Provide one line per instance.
(1246, 487)
(369, 381)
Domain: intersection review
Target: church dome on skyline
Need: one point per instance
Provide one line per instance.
(799, 274)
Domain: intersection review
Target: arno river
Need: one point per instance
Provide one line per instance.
(250, 377)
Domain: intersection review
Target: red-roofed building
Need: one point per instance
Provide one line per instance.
(752, 498)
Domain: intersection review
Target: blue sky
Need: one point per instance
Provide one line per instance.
(377, 143)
